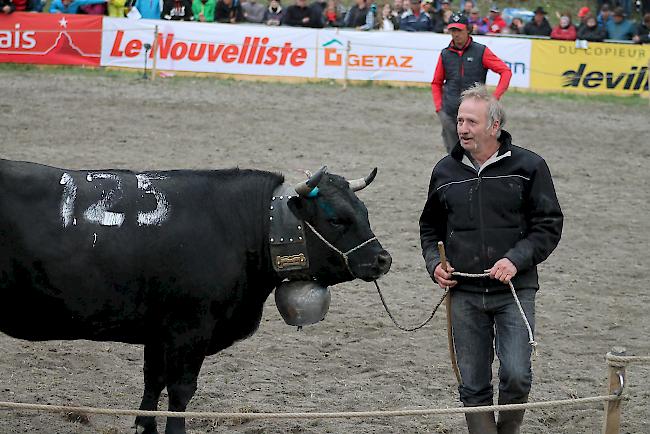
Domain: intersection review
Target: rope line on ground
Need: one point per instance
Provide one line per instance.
(626, 359)
(306, 415)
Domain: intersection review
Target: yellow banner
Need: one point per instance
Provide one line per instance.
(600, 67)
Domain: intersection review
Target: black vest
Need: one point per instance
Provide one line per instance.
(461, 72)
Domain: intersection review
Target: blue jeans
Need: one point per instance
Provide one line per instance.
(482, 323)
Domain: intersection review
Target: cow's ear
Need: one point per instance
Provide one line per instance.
(299, 206)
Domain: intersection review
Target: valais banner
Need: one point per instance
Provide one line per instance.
(207, 47)
(53, 39)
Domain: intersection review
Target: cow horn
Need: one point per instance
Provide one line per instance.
(306, 187)
(361, 183)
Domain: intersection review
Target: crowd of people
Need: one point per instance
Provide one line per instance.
(610, 21)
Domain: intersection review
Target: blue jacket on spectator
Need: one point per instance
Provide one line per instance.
(72, 7)
(149, 9)
(416, 23)
(622, 31)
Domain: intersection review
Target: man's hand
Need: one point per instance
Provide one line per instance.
(503, 270)
(444, 278)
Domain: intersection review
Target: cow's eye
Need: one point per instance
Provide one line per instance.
(337, 223)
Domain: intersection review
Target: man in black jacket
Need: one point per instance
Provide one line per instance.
(539, 25)
(301, 15)
(494, 206)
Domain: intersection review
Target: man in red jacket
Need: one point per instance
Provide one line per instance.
(460, 65)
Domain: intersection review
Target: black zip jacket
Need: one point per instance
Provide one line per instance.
(508, 209)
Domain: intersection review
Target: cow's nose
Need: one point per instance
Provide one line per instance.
(384, 260)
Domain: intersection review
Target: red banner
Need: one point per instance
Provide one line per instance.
(52, 39)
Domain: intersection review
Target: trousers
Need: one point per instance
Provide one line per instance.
(485, 323)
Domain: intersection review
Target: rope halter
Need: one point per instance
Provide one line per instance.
(343, 254)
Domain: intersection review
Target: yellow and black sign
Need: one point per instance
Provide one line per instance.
(597, 68)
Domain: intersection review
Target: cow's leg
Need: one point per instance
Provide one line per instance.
(154, 383)
(183, 366)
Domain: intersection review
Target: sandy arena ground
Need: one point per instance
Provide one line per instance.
(594, 292)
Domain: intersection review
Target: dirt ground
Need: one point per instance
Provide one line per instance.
(594, 289)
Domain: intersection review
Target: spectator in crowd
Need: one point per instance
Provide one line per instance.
(70, 6)
(116, 8)
(399, 7)
(476, 23)
(301, 15)
(274, 13)
(565, 31)
(467, 8)
(417, 19)
(442, 17)
(333, 14)
(228, 11)
(253, 11)
(455, 72)
(642, 34)
(149, 9)
(24, 5)
(605, 16)
(462, 5)
(176, 10)
(360, 16)
(582, 15)
(203, 10)
(389, 19)
(495, 22)
(94, 9)
(516, 27)
(7, 7)
(539, 25)
(619, 28)
(591, 31)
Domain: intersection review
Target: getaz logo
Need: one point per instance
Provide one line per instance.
(634, 79)
(334, 52)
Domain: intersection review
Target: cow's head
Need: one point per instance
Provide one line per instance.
(341, 245)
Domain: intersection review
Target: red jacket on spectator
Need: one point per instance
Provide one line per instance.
(565, 34)
(495, 25)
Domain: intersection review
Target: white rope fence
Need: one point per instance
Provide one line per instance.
(307, 415)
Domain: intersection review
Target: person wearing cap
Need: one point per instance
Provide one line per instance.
(460, 65)
(495, 22)
(494, 206)
(418, 18)
(582, 15)
(539, 25)
(619, 28)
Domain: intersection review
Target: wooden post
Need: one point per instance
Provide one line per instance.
(450, 333)
(616, 380)
(154, 51)
(345, 67)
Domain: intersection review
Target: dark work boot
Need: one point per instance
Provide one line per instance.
(481, 423)
(510, 421)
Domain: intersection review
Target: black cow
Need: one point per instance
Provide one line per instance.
(178, 260)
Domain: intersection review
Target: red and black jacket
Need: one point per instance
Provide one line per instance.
(458, 70)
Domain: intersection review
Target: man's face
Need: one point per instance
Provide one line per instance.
(459, 36)
(445, 6)
(397, 4)
(473, 129)
(415, 7)
(618, 19)
(539, 17)
(426, 7)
